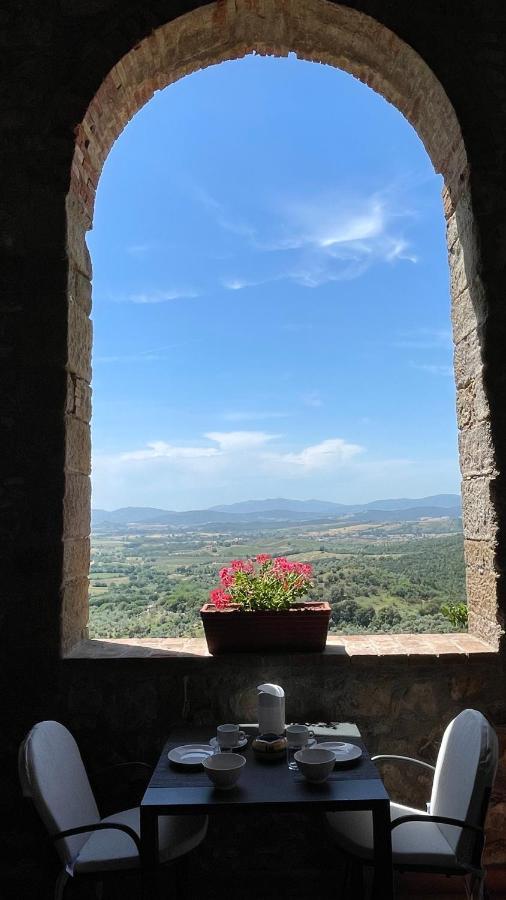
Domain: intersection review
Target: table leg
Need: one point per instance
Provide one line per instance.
(149, 852)
(383, 885)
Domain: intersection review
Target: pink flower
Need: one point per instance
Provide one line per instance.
(226, 577)
(241, 565)
(262, 558)
(220, 598)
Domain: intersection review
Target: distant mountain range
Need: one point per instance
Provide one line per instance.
(280, 509)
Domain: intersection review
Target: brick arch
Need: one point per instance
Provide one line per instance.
(319, 31)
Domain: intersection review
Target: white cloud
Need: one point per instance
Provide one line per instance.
(337, 237)
(162, 296)
(162, 450)
(254, 415)
(434, 369)
(240, 440)
(312, 399)
(238, 284)
(139, 249)
(328, 454)
(425, 339)
(155, 355)
(223, 217)
(232, 450)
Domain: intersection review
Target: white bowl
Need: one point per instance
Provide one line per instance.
(315, 764)
(224, 769)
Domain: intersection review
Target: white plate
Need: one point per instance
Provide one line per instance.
(242, 743)
(344, 753)
(190, 754)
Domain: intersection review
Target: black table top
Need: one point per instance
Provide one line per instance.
(262, 785)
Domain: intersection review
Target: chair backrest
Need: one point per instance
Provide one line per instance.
(52, 773)
(465, 772)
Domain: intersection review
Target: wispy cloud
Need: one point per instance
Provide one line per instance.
(225, 455)
(327, 454)
(312, 399)
(224, 217)
(141, 356)
(156, 450)
(425, 339)
(254, 415)
(329, 238)
(240, 440)
(163, 295)
(140, 249)
(434, 369)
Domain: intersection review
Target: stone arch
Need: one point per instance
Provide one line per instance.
(319, 31)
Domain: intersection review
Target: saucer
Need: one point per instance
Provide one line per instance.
(190, 754)
(242, 743)
(343, 752)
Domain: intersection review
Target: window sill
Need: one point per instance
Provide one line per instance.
(345, 648)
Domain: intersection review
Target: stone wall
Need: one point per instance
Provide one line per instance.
(444, 66)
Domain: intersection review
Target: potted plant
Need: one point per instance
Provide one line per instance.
(259, 606)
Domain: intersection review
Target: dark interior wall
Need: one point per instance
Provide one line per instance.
(55, 55)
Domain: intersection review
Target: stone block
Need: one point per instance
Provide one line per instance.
(480, 555)
(79, 288)
(467, 359)
(78, 398)
(476, 450)
(77, 224)
(478, 513)
(481, 590)
(76, 558)
(472, 403)
(77, 446)
(76, 506)
(458, 276)
(484, 627)
(468, 310)
(74, 613)
(79, 342)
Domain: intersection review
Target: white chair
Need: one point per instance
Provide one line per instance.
(448, 838)
(52, 773)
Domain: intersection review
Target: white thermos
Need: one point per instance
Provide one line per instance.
(271, 709)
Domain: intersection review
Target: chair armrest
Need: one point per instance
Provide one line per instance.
(408, 759)
(100, 826)
(444, 820)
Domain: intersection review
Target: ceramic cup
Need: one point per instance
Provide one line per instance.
(224, 769)
(229, 736)
(315, 765)
(298, 735)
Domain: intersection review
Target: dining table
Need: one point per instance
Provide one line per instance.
(269, 786)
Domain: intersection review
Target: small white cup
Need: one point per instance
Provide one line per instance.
(298, 735)
(315, 765)
(229, 736)
(224, 770)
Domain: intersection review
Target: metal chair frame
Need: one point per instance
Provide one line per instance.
(475, 870)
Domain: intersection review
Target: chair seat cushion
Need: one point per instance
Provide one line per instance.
(113, 850)
(415, 843)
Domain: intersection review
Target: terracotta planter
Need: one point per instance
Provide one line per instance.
(232, 630)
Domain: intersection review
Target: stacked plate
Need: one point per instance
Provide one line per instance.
(343, 752)
(190, 754)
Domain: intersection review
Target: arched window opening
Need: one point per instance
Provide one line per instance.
(271, 319)
(189, 44)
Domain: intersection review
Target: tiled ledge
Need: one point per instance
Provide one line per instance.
(345, 647)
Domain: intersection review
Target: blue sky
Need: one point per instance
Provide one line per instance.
(271, 299)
